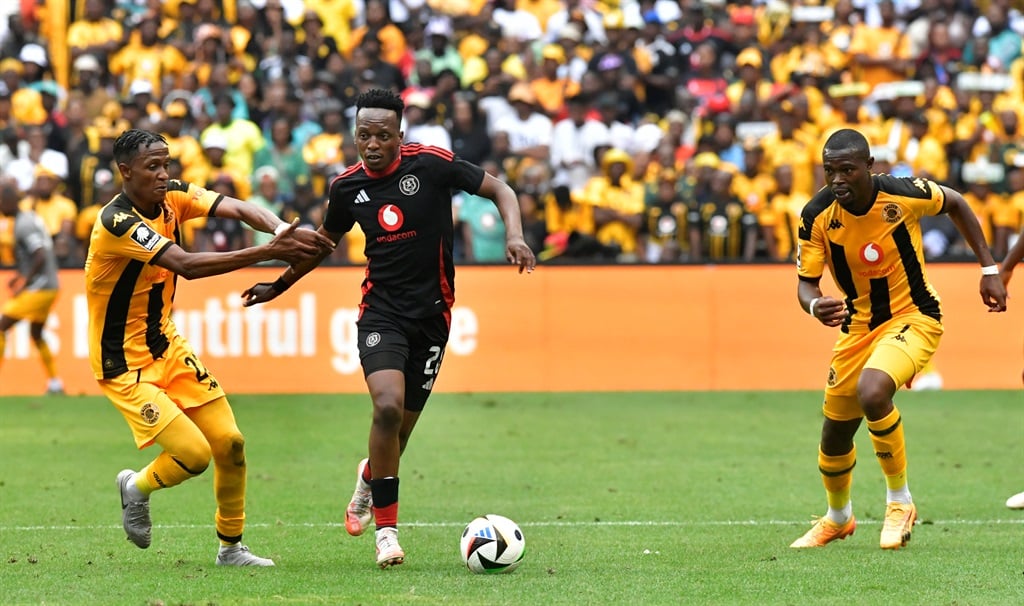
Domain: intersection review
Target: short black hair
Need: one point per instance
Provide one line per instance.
(381, 98)
(126, 146)
(848, 139)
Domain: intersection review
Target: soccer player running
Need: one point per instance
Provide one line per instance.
(401, 196)
(34, 287)
(866, 229)
(146, 369)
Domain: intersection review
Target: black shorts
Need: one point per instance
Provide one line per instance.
(413, 346)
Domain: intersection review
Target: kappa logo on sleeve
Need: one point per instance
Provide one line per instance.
(145, 237)
(120, 217)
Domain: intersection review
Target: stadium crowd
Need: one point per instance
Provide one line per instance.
(643, 131)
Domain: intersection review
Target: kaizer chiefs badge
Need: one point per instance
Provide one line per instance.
(831, 377)
(150, 413)
(409, 185)
(892, 213)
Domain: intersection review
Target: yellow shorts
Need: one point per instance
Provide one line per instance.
(31, 305)
(151, 397)
(900, 348)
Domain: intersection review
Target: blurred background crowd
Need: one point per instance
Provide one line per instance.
(634, 131)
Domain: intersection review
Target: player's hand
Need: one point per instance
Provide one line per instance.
(831, 311)
(518, 253)
(312, 236)
(260, 292)
(1005, 275)
(294, 245)
(993, 293)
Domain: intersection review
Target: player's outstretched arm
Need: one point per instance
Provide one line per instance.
(516, 250)
(993, 291)
(284, 247)
(263, 220)
(261, 292)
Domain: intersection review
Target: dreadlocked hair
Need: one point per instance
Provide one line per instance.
(126, 146)
(382, 99)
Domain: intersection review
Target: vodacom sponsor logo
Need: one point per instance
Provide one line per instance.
(390, 217)
(871, 253)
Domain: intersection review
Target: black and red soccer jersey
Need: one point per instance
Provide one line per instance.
(406, 214)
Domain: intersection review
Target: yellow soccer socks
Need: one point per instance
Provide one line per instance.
(890, 449)
(837, 476)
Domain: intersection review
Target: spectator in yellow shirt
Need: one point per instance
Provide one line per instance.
(923, 151)
(336, 16)
(550, 89)
(393, 47)
(26, 102)
(978, 130)
(751, 83)
(790, 145)
(617, 201)
(95, 33)
(753, 183)
(322, 152)
(106, 185)
(181, 145)
(243, 137)
(88, 83)
(882, 53)
(57, 212)
(780, 218)
(148, 58)
(215, 146)
(1007, 212)
(981, 195)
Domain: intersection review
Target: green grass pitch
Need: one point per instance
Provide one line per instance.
(631, 498)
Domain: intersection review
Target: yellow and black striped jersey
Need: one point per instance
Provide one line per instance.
(876, 258)
(129, 298)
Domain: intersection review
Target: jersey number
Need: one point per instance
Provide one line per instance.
(432, 366)
(201, 374)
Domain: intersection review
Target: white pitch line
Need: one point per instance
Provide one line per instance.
(605, 523)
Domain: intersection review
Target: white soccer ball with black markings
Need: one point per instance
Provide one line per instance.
(492, 544)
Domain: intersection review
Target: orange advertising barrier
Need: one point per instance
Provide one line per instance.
(559, 329)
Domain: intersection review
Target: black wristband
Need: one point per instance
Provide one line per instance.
(280, 285)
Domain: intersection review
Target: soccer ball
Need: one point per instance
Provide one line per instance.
(492, 544)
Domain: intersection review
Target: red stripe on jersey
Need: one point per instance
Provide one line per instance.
(413, 149)
(365, 288)
(351, 170)
(446, 288)
(373, 174)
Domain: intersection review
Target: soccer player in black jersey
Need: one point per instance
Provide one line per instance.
(865, 228)
(401, 196)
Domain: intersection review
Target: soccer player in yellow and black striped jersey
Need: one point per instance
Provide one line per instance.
(146, 369)
(865, 229)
